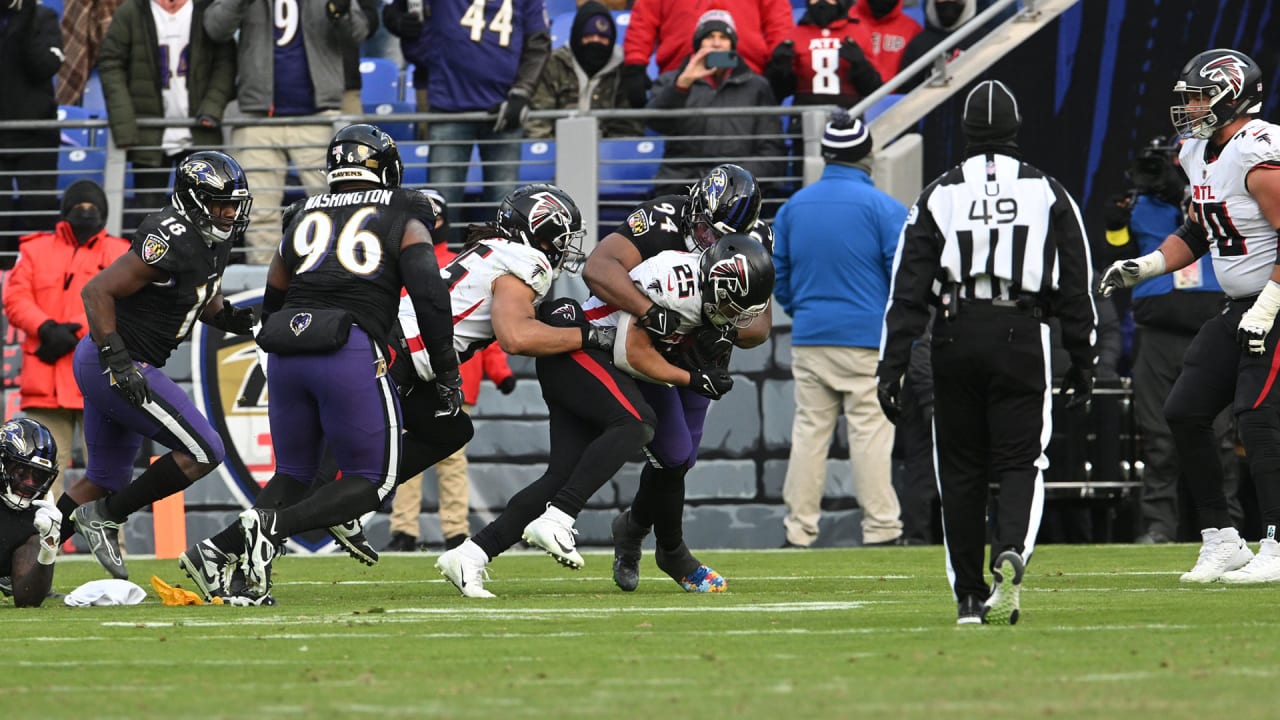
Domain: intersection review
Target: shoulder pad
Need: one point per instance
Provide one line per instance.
(1259, 144)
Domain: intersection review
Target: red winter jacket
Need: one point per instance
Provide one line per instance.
(490, 362)
(45, 284)
(884, 39)
(669, 25)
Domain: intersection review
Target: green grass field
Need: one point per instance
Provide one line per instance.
(1106, 632)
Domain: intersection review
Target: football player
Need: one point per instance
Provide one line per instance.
(598, 415)
(726, 201)
(1232, 159)
(29, 521)
(139, 309)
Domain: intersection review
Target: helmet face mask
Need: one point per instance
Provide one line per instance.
(726, 201)
(211, 190)
(28, 462)
(1215, 87)
(543, 216)
(363, 153)
(737, 278)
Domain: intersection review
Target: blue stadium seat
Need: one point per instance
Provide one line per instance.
(627, 167)
(76, 163)
(797, 13)
(379, 81)
(475, 175)
(799, 4)
(538, 161)
(884, 104)
(93, 100)
(75, 136)
(621, 19)
(915, 12)
(560, 7)
(414, 156)
(54, 5)
(561, 26)
(399, 131)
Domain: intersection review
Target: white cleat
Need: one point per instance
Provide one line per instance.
(553, 531)
(1222, 551)
(1263, 568)
(1002, 607)
(465, 572)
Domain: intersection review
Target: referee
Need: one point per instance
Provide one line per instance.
(999, 248)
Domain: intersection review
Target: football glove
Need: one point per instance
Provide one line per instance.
(449, 393)
(1252, 331)
(235, 320)
(659, 321)
(710, 383)
(126, 377)
(48, 525)
(713, 346)
(1077, 387)
(1127, 273)
(598, 338)
(888, 392)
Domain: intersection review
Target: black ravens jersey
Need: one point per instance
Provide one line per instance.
(343, 251)
(154, 320)
(654, 227)
(16, 526)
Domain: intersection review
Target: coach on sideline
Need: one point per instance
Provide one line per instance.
(999, 247)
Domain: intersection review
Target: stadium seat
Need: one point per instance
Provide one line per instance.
(915, 12)
(399, 131)
(379, 81)
(75, 136)
(54, 5)
(93, 100)
(560, 7)
(797, 13)
(621, 19)
(538, 161)
(561, 26)
(414, 156)
(475, 175)
(75, 163)
(627, 167)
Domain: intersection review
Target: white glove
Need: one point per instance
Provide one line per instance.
(1127, 273)
(1257, 321)
(48, 524)
(257, 349)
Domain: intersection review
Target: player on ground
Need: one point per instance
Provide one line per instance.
(29, 521)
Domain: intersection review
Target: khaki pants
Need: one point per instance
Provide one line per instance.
(264, 152)
(453, 486)
(62, 422)
(829, 380)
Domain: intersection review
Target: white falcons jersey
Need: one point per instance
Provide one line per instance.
(670, 279)
(1242, 241)
(470, 277)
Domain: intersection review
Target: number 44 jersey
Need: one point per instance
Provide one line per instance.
(1242, 241)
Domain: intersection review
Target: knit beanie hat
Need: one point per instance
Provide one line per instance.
(846, 139)
(991, 114)
(81, 191)
(592, 18)
(711, 21)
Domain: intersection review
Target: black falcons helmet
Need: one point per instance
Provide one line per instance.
(209, 177)
(736, 274)
(363, 152)
(543, 216)
(28, 462)
(1215, 87)
(726, 201)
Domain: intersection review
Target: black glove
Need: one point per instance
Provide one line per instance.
(634, 83)
(410, 26)
(710, 383)
(449, 393)
(338, 8)
(508, 385)
(1077, 387)
(1116, 212)
(888, 392)
(713, 346)
(780, 71)
(598, 338)
(56, 340)
(513, 111)
(126, 378)
(659, 321)
(862, 74)
(235, 320)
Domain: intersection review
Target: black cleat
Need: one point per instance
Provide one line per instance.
(626, 552)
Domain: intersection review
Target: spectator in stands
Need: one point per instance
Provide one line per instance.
(819, 63)
(157, 61)
(84, 26)
(479, 63)
(453, 484)
(941, 18)
(284, 74)
(352, 83)
(30, 54)
(415, 47)
(833, 252)
(664, 26)
(750, 140)
(42, 299)
(1168, 311)
(585, 75)
(883, 31)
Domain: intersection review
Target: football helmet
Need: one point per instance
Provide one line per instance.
(543, 216)
(736, 275)
(207, 178)
(363, 152)
(726, 201)
(1216, 87)
(28, 462)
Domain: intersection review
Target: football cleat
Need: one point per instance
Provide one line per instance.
(1263, 568)
(1221, 551)
(688, 573)
(465, 572)
(703, 580)
(553, 531)
(6, 586)
(257, 526)
(350, 536)
(243, 600)
(103, 535)
(1001, 608)
(208, 567)
(627, 539)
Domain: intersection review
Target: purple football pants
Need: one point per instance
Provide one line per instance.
(681, 414)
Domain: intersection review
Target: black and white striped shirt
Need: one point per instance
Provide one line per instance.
(1000, 229)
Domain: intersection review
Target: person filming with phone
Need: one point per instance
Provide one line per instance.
(714, 76)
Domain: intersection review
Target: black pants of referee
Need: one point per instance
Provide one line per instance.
(992, 421)
(1217, 374)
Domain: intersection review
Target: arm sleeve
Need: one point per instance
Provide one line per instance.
(430, 300)
(915, 266)
(637, 46)
(1073, 301)
(19, 298)
(778, 21)
(44, 50)
(223, 17)
(113, 60)
(1195, 236)
(665, 96)
(536, 49)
